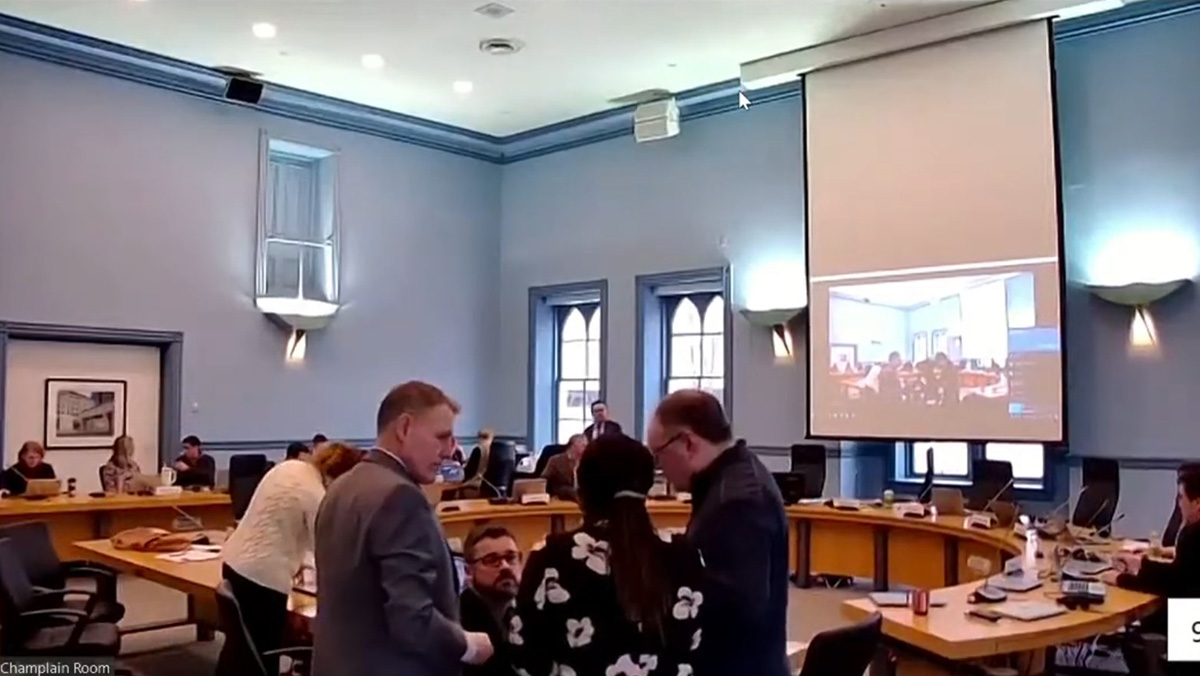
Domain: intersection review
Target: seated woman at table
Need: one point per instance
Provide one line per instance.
(121, 473)
(610, 598)
(273, 542)
(30, 464)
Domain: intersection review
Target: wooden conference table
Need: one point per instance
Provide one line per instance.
(930, 553)
(82, 517)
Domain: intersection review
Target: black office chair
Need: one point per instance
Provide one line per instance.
(245, 472)
(809, 460)
(548, 451)
(243, 658)
(992, 478)
(501, 469)
(34, 549)
(35, 627)
(1097, 503)
(791, 486)
(1170, 534)
(926, 494)
(845, 651)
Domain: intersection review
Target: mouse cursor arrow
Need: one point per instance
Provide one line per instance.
(743, 102)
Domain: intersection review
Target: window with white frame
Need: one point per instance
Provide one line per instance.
(695, 345)
(952, 461)
(577, 367)
(1028, 461)
(298, 228)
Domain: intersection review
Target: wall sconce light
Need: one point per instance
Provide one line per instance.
(1142, 335)
(297, 346)
(781, 340)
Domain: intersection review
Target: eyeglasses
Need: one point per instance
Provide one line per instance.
(675, 437)
(494, 559)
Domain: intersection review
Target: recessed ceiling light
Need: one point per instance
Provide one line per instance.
(373, 61)
(263, 30)
(463, 86)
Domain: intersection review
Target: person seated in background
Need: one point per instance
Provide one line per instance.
(121, 473)
(560, 470)
(610, 597)
(488, 598)
(1177, 578)
(298, 451)
(476, 463)
(30, 464)
(273, 542)
(193, 467)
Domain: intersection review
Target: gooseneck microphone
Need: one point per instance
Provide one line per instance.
(996, 497)
(1110, 525)
(1067, 503)
(1096, 514)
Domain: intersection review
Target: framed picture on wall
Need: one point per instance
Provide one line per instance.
(84, 413)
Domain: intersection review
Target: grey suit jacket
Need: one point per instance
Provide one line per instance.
(387, 594)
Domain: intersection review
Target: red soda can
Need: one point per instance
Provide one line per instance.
(919, 600)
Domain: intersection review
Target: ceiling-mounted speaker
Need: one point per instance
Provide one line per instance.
(656, 120)
(244, 90)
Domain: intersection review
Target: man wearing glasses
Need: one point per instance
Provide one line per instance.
(739, 526)
(486, 604)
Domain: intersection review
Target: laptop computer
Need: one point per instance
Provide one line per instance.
(42, 488)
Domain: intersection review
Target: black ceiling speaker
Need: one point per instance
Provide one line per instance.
(244, 90)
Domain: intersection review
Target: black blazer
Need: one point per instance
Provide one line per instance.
(14, 479)
(201, 473)
(610, 427)
(476, 616)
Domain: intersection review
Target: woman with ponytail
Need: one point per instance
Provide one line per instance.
(610, 598)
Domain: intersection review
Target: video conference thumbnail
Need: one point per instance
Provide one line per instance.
(958, 354)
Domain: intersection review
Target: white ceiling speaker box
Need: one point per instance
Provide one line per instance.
(656, 120)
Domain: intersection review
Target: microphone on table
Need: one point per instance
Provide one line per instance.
(188, 522)
(1096, 514)
(998, 494)
(1110, 525)
(1067, 503)
(499, 493)
(927, 491)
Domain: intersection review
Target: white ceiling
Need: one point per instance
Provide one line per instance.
(578, 55)
(912, 293)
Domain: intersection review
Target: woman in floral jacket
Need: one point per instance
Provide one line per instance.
(610, 598)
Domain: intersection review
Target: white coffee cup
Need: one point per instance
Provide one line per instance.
(166, 476)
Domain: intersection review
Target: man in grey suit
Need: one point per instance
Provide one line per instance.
(387, 593)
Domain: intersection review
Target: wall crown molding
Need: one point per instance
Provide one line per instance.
(53, 45)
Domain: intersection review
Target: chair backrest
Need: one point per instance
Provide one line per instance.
(16, 589)
(501, 466)
(245, 472)
(1097, 503)
(989, 477)
(791, 486)
(245, 655)
(926, 493)
(548, 451)
(845, 651)
(809, 460)
(35, 550)
(247, 464)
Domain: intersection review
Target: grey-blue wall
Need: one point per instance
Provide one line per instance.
(728, 188)
(125, 205)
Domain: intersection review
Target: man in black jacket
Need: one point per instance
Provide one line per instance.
(486, 602)
(739, 526)
(1177, 578)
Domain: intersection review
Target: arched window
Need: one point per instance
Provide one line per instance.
(577, 377)
(695, 345)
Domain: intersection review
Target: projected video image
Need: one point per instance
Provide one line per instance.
(970, 346)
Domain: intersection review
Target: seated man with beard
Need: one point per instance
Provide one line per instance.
(486, 604)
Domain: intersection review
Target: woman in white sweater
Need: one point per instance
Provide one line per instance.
(272, 542)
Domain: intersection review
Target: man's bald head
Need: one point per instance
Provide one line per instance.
(689, 430)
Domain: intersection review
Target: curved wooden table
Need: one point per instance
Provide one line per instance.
(82, 517)
(929, 553)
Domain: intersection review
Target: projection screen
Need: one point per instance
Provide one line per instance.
(934, 241)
